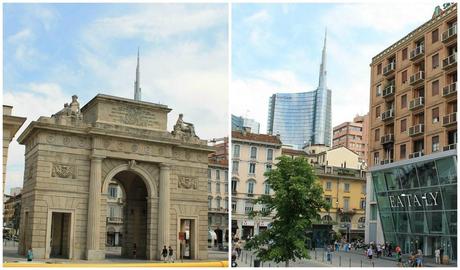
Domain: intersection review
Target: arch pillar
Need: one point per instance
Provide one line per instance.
(93, 249)
(163, 211)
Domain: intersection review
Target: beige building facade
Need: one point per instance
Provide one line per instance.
(72, 156)
(353, 135)
(11, 125)
(252, 155)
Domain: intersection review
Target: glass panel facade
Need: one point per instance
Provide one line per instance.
(418, 205)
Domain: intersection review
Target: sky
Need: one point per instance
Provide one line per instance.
(52, 51)
(276, 48)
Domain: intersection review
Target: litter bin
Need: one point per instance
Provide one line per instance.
(445, 259)
(256, 263)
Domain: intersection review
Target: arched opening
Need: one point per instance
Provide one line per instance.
(131, 214)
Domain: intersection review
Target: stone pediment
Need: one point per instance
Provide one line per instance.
(105, 109)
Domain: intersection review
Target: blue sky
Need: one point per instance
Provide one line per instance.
(277, 48)
(52, 51)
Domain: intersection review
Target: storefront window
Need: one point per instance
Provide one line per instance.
(392, 181)
(447, 171)
(427, 174)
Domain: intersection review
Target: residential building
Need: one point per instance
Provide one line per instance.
(239, 123)
(352, 135)
(413, 138)
(302, 118)
(11, 125)
(15, 191)
(345, 190)
(218, 200)
(115, 214)
(12, 213)
(252, 155)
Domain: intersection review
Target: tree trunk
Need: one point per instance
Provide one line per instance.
(287, 263)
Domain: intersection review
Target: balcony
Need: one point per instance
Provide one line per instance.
(388, 91)
(218, 210)
(386, 161)
(387, 115)
(450, 147)
(449, 90)
(116, 220)
(450, 119)
(417, 77)
(347, 211)
(388, 69)
(417, 130)
(416, 53)
(416, 103)
(388, 138)
(449, 62)
(450, 34)
(416, 154)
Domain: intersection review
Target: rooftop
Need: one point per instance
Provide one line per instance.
(256, 137)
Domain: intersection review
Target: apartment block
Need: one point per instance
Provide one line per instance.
(353, 135)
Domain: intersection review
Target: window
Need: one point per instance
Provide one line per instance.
(251, 187)
(328, 199)
(210, 202)
(235, 165)
(111, 211)
(435, 144)
(253, 152)
(435, 88)
(404, 101)
(218, 199)
(269, 154)
(379, 69)
(252, 168)
(328, 185)
(225, 203)
(209, 186)
(218, 187)
(267, 189)
(435, 61)
(236, 151)
(404, 77)
(209, 174)
(248, 208)
(402, 151)
(373, 212)
(233, 206)
(226, 187)
(113, 191)
(362, 220)
(226, 176)
(377, 135)
(404, 54)
(268, 167)
(434, 36)
(362, 204)
(435, 115)
(403, 125)
(346, 187)
(377, 112)
(346, 203)
(376, 158)
(217, 175)
(234, 184)
(378, 90)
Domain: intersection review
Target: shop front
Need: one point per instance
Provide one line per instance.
(417, 202)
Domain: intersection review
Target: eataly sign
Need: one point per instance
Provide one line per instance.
(413, 200)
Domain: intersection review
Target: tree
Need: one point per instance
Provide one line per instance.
(296, 202)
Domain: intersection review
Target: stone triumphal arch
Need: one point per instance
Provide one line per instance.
(72, 156)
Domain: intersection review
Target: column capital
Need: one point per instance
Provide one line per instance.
(97, 157)
(165, 166)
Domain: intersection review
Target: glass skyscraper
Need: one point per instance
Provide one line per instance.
(302, 118)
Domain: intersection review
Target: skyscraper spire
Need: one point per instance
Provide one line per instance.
(137, 83)
(322, 70)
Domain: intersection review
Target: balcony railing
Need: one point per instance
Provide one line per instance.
(417, 77)
(386, 161)
(450, 147)
(416, 53)
(450, 61)
(388, 138)
(388, 90)
(449, 119)
(416, 103)
(388, 114)
(417, 130)
(117, 220)
(416, 154)
(449, 90)
(449, 34)
(389, 68)
(218, 210)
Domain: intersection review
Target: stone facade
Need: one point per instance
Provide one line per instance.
(73, 155)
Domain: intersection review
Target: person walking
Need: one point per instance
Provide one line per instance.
(164, 253)
(441, 254)
(30, 254)
(238, 249)
(399, 258)
(170, 254)
(437, 255)
(369, 253)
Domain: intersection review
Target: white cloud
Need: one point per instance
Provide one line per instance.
(261, 16)
(21, 36)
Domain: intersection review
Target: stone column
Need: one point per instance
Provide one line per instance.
(93, 251)
(163, 208)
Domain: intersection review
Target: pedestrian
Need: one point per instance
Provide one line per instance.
(399, 259)
(419, 258)
(30, 254)
(441, 254)
(164, 253)
(170, 254)
(369, 253)
(238, 249)
(437, 255)
(379, 250)
(134, 251)
(328, 254)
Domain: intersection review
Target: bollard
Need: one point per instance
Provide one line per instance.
(349, 262)
(269, 265)
(250, 263)
(251, 257)
(315, 254)
(373, 264)
(323, 256)
(361, 263)
(246, 260)
(261, 264)
(340, 261)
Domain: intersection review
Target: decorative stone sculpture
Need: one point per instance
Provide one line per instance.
(187, 182)
(69, 115)
(184, 129)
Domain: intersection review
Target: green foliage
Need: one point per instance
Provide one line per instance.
(296, 202)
